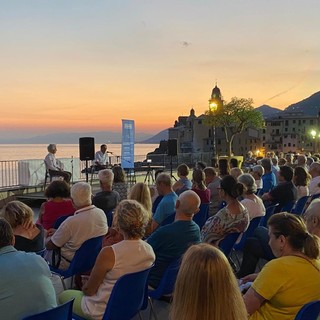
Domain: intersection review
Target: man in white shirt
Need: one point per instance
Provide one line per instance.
(101, 158)
(314, 186)
(55, 166)
(86, 223)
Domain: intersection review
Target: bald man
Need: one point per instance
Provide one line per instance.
(172, 240)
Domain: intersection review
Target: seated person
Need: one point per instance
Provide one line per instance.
(291, 280)
(236, 172)
(106, 199)
(29, 237)
(285, 191)
(169, 242)
(58, 204)
(183, 183)
(253, 203)
(199, 186)
(119, 182)
(257, 172)
(55, 166)
(213, 183)
(100, 161)
(87, 222)
(25, 284)
(167, 204)
(233, 217)
(128, 256)
(269, 180)
(198, 294)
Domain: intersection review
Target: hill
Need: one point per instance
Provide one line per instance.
(268, 111)
(162, 135)
(309, 106)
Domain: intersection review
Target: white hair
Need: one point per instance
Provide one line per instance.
(106, 177)
(81, 194)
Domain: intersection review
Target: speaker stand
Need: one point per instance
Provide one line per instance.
(87, 173)
(171, 175)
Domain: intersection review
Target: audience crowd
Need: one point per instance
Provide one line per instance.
(153, 226)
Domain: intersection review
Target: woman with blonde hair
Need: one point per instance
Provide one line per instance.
(128, 256)
(141, 192)
(206, 287)
(29, 237)
(291, 280)
(199, 185)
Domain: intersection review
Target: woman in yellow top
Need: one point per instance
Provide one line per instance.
(285, 284)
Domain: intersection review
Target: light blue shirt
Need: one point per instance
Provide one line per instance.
(25, 285)
(166, 207)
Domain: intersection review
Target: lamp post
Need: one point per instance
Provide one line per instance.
(314, 135)
(212, 109)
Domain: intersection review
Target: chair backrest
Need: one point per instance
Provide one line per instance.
(109, 216)
(59, 221)
(270, 210)
(287, 207)
(62, 312)
(202, 216)
(84, 258)
(167, 281)
(128, 296)
(298, 208)
(309, 311)
(248, 233)
(227, 243)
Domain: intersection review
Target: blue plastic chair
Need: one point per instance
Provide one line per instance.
(287, 207)
(127, 298)
(202, 216)
(166, 285)
(83, 260)
(59, 221)
(62, 312)
(270, 210)
(309, 311)
(248, 233)
(227, 243)
(298, 208)
(109, 216)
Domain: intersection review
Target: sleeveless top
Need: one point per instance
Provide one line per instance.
(130, 256)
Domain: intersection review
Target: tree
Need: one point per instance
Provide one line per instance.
(234, 117)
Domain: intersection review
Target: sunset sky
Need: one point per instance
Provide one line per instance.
(76, 65)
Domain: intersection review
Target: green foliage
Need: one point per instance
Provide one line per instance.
(234, 117)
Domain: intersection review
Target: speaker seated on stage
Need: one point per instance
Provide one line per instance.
(54, 166)
(100, 161)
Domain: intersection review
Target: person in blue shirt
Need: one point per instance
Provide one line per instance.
(25, 284)
(171, 241)
(167, 204)
(269, 178)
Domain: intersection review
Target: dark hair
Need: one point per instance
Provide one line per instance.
(58, 188)
(210, 171)
(231, 187)
(301, 177)
(266, 163)
(198, 178)
(183, 169)
(200, 165)
(119, 174)
(223, 167)
(294, 229)
(6, 233)
(286, 172)
(234, 163)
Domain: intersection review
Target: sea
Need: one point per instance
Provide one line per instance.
(39, 151)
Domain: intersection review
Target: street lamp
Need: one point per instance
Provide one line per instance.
(314, 135)
(212, 109)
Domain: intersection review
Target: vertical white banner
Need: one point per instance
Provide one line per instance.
(127, 150)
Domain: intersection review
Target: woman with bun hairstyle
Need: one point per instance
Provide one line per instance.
(213, 293)
(233, 217)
